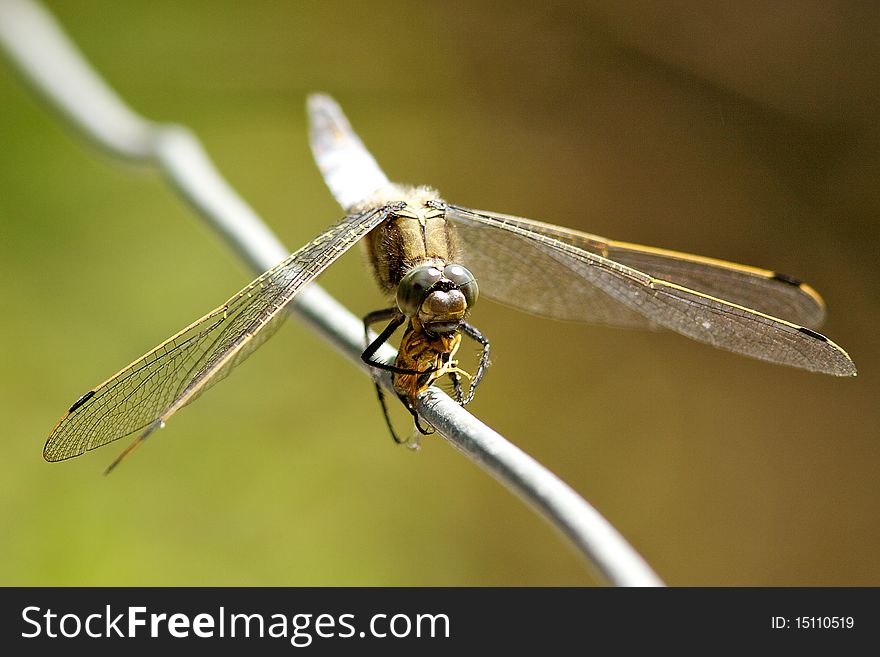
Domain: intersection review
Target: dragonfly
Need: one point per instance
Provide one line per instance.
(434, 259)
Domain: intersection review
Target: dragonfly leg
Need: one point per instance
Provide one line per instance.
(396, 321)
(379, 316)
(381, 395)
(425, 430)
(456, 386)
(372, 348)
(474, 334)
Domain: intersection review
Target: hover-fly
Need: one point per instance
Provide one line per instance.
(434, 259)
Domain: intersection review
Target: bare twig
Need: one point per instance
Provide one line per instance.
(51, 63)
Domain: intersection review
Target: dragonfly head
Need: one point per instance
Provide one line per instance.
(438, 295)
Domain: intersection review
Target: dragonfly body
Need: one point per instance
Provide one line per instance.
(426, 254)
(413, 257)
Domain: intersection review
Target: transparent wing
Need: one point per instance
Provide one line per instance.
(156, 385)
(766, 291)
(560, 273)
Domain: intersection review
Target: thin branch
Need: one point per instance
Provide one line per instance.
(48, 60)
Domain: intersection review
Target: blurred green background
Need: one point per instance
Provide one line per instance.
(742, 131)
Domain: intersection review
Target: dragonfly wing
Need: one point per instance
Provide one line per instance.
(763, 290)
(349, 170)
(541, 262)
(514, 267)
(158, 384)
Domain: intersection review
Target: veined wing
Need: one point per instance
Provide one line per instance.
(547, 270)
(763, 290)
(155, 386)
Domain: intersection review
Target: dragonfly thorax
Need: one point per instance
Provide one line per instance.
(415, 232)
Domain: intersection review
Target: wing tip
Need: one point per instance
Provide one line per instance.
(48, 455)
(318, 102)
(817, 299)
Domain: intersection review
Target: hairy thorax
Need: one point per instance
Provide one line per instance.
(416, 234)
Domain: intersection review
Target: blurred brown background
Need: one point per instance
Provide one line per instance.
(741, 131)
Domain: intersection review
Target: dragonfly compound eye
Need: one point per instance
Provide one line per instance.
(414, 287)
(464, 280)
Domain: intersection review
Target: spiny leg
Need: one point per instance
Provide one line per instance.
(381, 395)
(367, 356)
(425, 430)
(474, 334)
(396, 321)
(372, 348)
(383, 315)
(456, 386)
